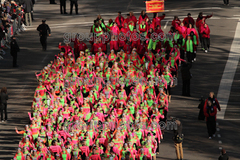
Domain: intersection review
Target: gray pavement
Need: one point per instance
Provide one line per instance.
(207, 72)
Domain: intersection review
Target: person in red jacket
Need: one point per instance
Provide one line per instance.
(200, 17)
(127, 20)
(94, 156)
(114, 43)
(143, 28)
(210, 112)
(132, 18)
(119, 20)
(157, 19)
(205, 32)
(199, 23)
(142, 17)
(188, 20)
(141, 48)
(176, 22)
(79, 46)
(127, 47)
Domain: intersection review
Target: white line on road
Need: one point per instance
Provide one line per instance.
(229, 73)
(219, 136)
(232, 119)
(166, 25)
(218, 129)
(220, 142)
(44, 58)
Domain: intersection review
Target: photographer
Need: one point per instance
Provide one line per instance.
(178, 138)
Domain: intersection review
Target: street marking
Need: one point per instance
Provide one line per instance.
(23, 88)
(166, 25)
(217, 124)
(220, 148)
(232, 119)
(218, 129)
(44, 58)
(220, 142)
(228, 74)
(219, 136)
(233, 18)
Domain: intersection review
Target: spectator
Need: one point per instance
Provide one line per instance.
(28, 8)
(14, 49)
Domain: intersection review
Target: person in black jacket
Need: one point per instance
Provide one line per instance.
(186, 77)
(224, 155)
(14, 49)
(3, 102)
(44, 31)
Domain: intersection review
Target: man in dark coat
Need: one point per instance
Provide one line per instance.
(28, 8)
(186, 77)
(14, 50)
(44, 31)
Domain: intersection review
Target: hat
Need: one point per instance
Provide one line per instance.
(189, 14)
(43, 20)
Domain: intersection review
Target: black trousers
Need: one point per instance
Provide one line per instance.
(182, 54)
(206, 43)
(43, 40)
(71, 6)
(211, 125)
(14, 55)
(157, 150)
(62, 5)
(4, 108)
(226, 1)
(190, 57)
(200, 39)
(186, 88)
(52, 2)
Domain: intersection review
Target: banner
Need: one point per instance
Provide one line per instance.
(155, 6)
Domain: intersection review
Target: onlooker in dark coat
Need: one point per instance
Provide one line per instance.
(28, 8)
(186, 77)
(3, 102)
(14, 50)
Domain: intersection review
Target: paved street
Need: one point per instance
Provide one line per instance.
(207, 72)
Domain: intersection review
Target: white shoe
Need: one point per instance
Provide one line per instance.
(214, 135)
(2, 120)
(205, 51)
(210, 138)
(195, 59)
